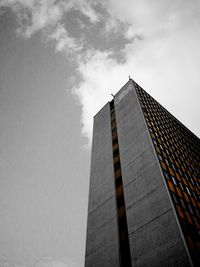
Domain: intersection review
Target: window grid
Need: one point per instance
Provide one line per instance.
(178, 152)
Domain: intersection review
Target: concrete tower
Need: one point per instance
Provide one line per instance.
(144, 186)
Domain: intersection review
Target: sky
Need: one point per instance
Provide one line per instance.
(59, 63)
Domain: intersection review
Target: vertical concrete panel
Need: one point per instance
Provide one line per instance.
(102, 229)
(154, 235)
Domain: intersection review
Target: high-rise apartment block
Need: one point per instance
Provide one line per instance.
(144, 186)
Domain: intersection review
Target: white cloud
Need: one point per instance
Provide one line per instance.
(46, 16)
(50, 262)
(43, 262)
(164, 37)
(86, 8)
(35, 15)
(63, 41)
(4, 262)
(99, 79)
(166, 63)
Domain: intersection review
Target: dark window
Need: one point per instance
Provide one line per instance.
(174, 197)
(118, 181)
(117, 166)
(120, 201)
(114, 131)
(115, 141)
(116, 152)
(183, 203)
(122, 224)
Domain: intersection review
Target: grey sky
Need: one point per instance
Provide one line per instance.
(59, 63)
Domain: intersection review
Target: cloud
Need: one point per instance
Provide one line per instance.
(63, 41)
(86, 8)
(166, 54)
(4, 262)
(43, 262)
(50, 262)
(36, 15)
(99, 79)
(156, 43)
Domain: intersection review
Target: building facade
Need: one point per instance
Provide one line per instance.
(144, 186)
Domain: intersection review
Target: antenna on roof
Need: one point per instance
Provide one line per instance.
(112, 95)
(129, 77)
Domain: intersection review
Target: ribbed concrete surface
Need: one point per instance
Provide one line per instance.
(154, 235)
(102, 232)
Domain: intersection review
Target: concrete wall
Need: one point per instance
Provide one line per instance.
(102, 230)
(154, 235)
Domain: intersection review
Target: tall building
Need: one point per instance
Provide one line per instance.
(144, 186)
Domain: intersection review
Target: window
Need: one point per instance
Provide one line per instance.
(121, 212)
(178, 176)
(163, 165)
(188, 190)
(197, 212)
(118, 173)
(181, 186)
(173, 167)
(122, 224)
(118, 181)
(116, 159)
(171, 171)
(114, 131)
(188, 217)
(179, 192)
(182, 203)
(124, 236)
(190, 208)
(119, 190)
(174, 197)
(117, 166)
(113, 124)
(186, 197)
(166, 175)
(115, 146)
(171, 187)
(180, 212)
(116, 152)
(174, 180)
(115, 140)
